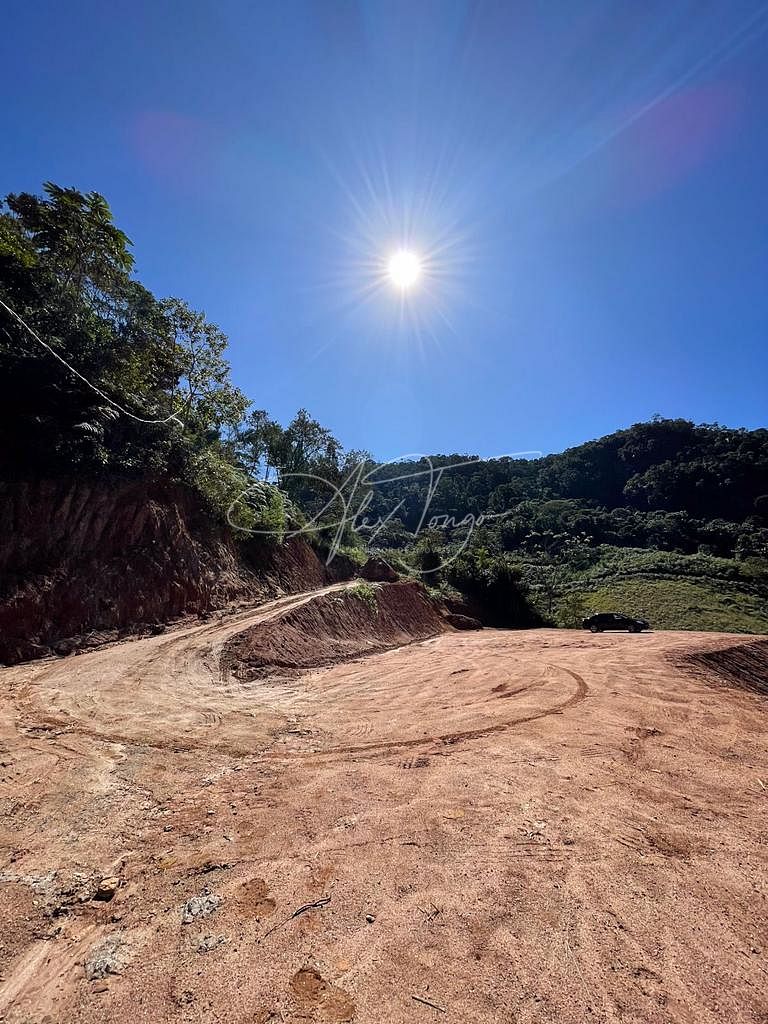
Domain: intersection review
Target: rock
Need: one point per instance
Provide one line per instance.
(106, 888)
(208, 942)
(370, 918)
(376, 570)
(462, 621)
(199, 906)
(108, 958)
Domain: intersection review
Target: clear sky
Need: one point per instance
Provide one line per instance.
(585, 182)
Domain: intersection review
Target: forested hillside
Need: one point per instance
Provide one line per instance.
(667, 519)
(102, 380)
(667, 484)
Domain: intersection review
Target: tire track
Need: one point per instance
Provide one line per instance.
(448, 739)
(187, 662)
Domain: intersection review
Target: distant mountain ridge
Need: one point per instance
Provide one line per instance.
(713, 479)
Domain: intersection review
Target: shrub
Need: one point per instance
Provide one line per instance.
(366, 592)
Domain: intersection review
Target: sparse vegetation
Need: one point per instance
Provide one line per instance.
(366, 592)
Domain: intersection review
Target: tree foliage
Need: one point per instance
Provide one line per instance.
(105, 377)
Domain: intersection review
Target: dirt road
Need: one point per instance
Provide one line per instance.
(496, 826)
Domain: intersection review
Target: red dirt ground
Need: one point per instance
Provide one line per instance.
(358, 620)
(480, 827)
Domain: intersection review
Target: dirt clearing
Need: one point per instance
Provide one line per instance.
(494, 826)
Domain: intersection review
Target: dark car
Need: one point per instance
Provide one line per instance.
(611, 620)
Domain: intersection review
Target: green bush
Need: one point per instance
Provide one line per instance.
(366, 592)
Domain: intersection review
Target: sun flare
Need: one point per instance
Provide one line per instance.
(404, 269)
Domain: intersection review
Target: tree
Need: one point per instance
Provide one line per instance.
(97, 374)
(96, 342)
(260, 445)
(203, 395)
(77, 242)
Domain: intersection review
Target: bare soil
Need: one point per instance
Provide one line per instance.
(491, 826)
(744, 665)
(83, 563)
(334, 627)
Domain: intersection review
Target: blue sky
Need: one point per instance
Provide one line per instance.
(586, 184)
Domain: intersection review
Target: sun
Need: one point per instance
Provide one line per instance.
(404, 269)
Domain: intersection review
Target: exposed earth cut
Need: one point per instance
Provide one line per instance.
(355, 620)
(85, 563)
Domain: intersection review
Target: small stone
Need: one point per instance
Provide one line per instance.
(370, 918)
(107, 888)
(108, 958)
(199, 906)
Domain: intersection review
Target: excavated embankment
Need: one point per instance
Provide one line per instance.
(744, 665)
(334, 627)
(83, 563)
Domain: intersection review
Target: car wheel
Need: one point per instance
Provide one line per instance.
(634, 629)
(594, 629)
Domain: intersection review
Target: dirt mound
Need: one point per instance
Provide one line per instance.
(744, 665)
(376, 570)
(334, 627)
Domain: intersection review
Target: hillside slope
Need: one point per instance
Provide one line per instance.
(335, 627)
(82, 563)
(679, 603)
